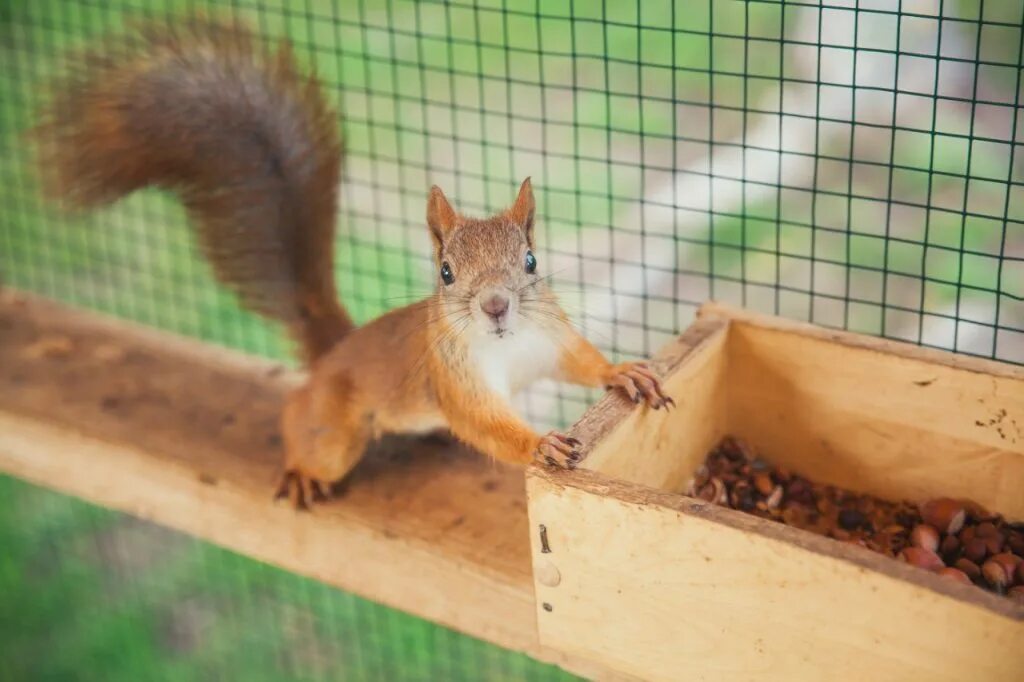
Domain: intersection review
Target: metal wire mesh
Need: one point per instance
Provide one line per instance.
(852, 163)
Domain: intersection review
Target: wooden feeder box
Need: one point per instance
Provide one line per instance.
(647, 582)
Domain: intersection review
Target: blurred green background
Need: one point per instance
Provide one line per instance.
(724, 141)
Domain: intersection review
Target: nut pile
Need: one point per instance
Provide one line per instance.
(957, 539)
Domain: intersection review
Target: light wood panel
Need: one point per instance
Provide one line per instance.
(643, 580)
(899, 425)
(664, 587)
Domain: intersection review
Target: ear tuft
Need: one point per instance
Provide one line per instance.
(522, 212)
(441, 217)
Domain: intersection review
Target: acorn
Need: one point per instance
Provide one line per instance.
(954, 574)
(925, 537)
(923, 558)
(995, 575)
(945, 514)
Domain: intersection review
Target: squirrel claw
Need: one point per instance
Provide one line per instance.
(557, 450)
(640, 384)
(301, 490)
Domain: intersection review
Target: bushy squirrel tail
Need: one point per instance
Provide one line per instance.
(248, 144)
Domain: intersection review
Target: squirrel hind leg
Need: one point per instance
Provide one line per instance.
(324, 438)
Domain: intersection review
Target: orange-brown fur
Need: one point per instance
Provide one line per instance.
(250, 146)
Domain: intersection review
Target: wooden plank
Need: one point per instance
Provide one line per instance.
(715, 310)
(183, 434)
(664, 587)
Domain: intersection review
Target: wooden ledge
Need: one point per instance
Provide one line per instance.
(185, 434)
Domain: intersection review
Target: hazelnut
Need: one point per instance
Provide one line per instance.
(995, 575)
(966, 535)
(1017, 594)
(994, 544)
(969, 568)
(800, 491)
(922, 558)
(986, 529)
(742, 496)
(1015, 540)
(925, 537)
(976, 550)
(1009, 562)
(713, 491)
(950, 545)
(763, 483)
(954, 574)
(944, 514)
(851, 519)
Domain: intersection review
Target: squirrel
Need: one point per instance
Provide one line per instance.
(250, 146)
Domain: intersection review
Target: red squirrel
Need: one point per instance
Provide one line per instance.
(251, 148)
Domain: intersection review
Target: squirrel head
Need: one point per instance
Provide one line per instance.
(488, 278)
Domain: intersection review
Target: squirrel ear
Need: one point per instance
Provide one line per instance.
(523, 210)
(440, 215)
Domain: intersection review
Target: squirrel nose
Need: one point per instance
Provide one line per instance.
(495, 306)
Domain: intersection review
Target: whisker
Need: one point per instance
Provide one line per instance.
(541, 279)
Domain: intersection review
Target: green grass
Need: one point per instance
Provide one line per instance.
(90, 594)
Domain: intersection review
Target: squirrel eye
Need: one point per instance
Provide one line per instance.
(531, 262)
(446, 273)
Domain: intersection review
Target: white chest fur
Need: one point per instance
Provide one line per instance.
(514, 361)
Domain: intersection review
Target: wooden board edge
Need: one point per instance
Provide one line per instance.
(609, 412)
(714, 310)
(631, 493)
(224, 358)
(405, 569)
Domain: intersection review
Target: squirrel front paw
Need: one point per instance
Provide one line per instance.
(558, 450)
(638, 382)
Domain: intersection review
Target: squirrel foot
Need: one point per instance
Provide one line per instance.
(639, 383)
(557, 450)
(301, 490)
